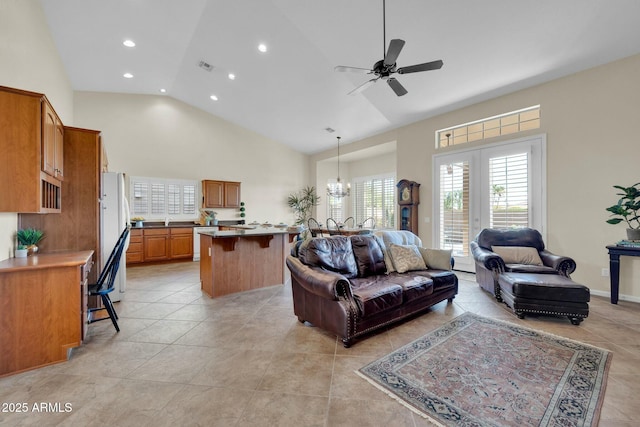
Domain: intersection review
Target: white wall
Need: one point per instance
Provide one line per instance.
(590, 119)
(157, 136)
(29, 61)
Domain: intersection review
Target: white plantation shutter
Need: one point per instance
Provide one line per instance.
(375, 197)
(454, 207)
(157, 198)
(335, 205)
(509, 190)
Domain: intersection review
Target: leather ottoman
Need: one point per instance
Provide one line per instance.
(548, 294)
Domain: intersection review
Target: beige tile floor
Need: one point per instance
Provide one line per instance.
(183, 359)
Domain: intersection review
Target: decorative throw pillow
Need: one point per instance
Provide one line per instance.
(406, 258)
(518, 254)
(437, 259)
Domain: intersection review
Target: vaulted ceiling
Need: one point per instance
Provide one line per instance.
(291, 93)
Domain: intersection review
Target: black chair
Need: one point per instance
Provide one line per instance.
(350, 222)
(106, 281)
(369, 223)
(314, 227)
(333, 228)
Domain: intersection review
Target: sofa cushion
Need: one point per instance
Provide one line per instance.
(406, 258)
(414, 286)
(437, 259)
(333, 253)
(442, 279)
(518, 254)
(375, 294)
(399, 237)
(368, 255)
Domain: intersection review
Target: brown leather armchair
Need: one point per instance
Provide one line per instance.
(489, 265)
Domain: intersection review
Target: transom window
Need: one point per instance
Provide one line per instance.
(158, 198)
(503, 124)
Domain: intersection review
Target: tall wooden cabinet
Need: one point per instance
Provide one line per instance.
(32, 161)
(77, 226)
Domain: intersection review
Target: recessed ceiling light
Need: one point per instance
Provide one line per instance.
(163, 91)
(127, 75)
(262, 47)
(129, 43)
(215, 98)
(232, 76)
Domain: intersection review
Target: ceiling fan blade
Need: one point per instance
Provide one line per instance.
(342, 68)
(427, 66)
(363, 86)
(397, 87)
(395, 46)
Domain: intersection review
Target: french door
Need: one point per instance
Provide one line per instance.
(494, 186)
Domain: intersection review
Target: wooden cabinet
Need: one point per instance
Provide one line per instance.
(135, 254)
(156, 244)
(77, 226)
(25, 134)
(181, 243)
(52, 142)
(160, 244)
(220, 194)
(42, 309)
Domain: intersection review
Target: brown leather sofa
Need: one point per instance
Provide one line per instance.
(489, 264)
(341, 284)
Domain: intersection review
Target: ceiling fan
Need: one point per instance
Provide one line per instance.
(384, 68)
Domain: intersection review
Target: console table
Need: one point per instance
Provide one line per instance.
(615, 252)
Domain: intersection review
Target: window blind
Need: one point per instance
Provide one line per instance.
(454, 207)
(509, 189)
(374, 197)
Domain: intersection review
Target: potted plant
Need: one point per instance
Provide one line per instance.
(29, 237)
(627, 210)
(21, 251)
(302, 204)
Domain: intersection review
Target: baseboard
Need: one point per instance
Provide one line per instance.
(606, 294)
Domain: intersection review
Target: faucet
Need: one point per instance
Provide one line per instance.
(166, 221)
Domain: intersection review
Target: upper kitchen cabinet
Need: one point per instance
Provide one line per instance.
(29, 131)
(52, 142)
(220, 194)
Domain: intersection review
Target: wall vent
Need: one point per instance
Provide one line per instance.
(205, 65)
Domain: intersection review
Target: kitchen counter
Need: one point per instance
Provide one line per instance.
(243, 259)
(182, 224)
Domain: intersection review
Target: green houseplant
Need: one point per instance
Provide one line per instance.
(303, 203)
(29, 238)
(627, 210)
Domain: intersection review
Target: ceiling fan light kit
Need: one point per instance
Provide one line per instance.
(384, 68)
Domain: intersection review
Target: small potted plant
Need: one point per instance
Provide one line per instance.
(21, 251)
(627, 210)
(29, 238)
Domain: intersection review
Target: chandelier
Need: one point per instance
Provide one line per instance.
(338, 190)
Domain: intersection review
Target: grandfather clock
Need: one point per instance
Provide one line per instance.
(408, 199)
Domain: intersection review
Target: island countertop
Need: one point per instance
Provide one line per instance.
(247, 232)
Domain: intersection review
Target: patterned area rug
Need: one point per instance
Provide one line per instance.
(475, 371)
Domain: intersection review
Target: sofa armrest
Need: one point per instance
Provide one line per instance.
(326, 284)
(563, 264)
(491, 260)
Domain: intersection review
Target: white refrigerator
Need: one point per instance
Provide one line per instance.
(115, 217)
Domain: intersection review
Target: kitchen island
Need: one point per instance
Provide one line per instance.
(243, 259)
